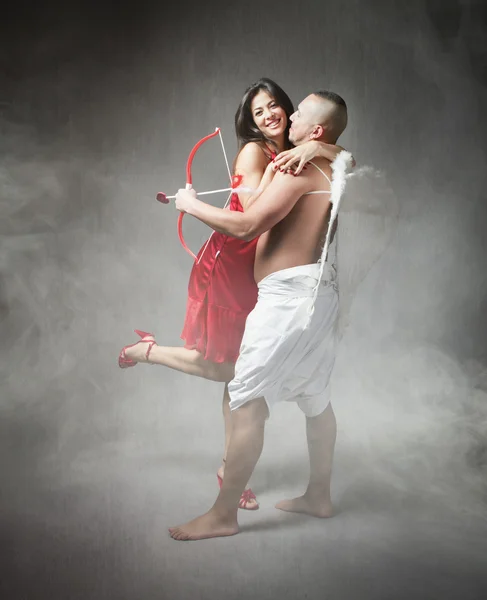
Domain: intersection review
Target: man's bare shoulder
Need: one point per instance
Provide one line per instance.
(319, 182)
(292, 187)
(323, 163)
(310, 178)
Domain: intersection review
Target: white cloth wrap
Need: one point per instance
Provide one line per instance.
(281, 359)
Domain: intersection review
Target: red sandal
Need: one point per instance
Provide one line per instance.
(123, 361)
(245, 498)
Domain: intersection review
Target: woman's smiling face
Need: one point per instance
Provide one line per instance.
(269, 117)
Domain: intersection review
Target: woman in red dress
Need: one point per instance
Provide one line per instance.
(222, 290)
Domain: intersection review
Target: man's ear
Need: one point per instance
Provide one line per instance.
(317, 132)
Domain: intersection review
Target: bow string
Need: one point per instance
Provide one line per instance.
(189, 185)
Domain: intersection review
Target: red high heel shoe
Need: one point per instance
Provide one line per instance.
(123, 361)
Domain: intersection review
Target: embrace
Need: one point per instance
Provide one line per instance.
(263, 300)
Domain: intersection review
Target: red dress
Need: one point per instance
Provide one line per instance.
(221, 293)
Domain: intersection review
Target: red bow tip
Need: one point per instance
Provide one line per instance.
(161, 197)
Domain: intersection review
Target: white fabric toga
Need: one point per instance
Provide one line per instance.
(283, 355)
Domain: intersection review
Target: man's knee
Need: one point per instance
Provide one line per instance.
(253, 413)
(323, 421)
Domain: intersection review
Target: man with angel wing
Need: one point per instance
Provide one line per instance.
(288, 349)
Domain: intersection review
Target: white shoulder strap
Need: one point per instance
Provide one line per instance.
(325, 176)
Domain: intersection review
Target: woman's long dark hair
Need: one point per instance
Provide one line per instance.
(245, 128)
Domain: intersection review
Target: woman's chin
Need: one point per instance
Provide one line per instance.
(276, 134)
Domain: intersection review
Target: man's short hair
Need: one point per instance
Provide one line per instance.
(341, 117)
(332, 97)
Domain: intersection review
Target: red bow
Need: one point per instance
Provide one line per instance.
(189, 184)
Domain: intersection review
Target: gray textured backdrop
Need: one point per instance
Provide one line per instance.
(100, 106)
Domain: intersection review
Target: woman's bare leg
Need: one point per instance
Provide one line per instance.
(181, 359)
(227, 418)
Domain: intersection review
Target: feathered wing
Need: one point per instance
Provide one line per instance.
(369, 213)
(339, 166)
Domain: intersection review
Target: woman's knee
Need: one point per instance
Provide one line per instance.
(222, 372)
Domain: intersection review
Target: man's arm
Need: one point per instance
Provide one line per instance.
(275, 203)
(303, 153)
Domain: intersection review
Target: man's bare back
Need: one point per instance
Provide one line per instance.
(298, 238)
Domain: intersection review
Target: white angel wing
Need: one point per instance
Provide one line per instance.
(368, 218)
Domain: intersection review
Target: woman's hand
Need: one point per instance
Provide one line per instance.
(267, 177)
(303, 153)
(300, 155)
(185, 199)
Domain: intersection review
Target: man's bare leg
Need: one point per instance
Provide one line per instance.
(243, 453)
(181, 359)
(321, 434)
(251, 503)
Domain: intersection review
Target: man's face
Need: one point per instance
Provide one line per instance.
(303, 121)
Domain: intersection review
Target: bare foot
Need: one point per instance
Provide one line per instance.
(138, 351)
(247, 500)
(316, 508)
(207, 526)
